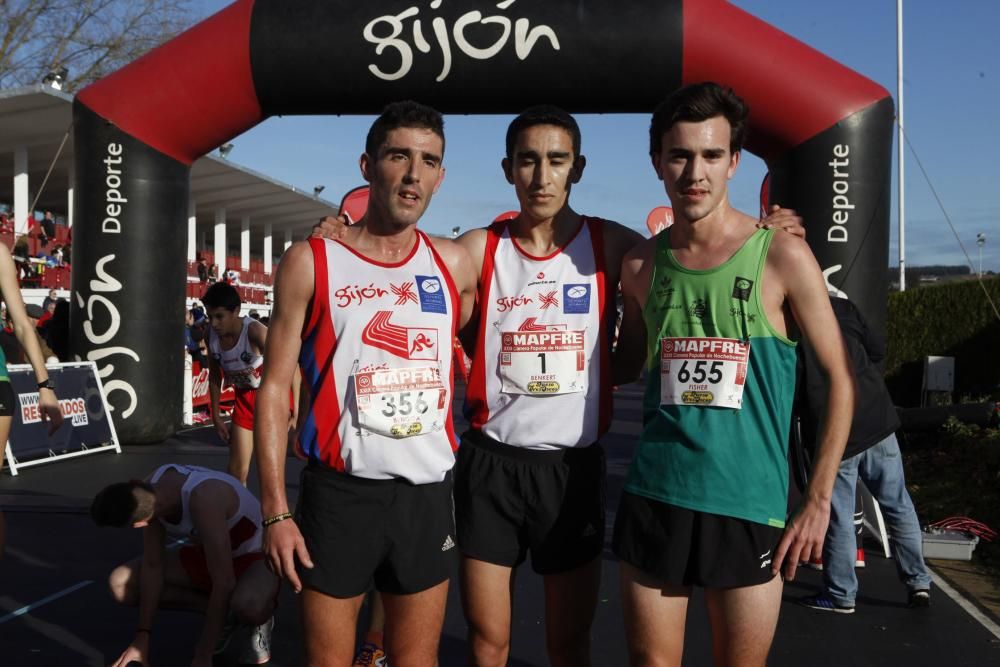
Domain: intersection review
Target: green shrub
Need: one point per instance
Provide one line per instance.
(951, 320)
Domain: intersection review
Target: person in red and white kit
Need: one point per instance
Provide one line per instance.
(220, 574)
(236, 355)
(370, 319)
(530, 471)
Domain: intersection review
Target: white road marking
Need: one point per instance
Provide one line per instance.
(962, 602)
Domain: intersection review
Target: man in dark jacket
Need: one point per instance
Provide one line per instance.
(872, 454)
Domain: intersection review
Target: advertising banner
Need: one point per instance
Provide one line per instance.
(87, 427)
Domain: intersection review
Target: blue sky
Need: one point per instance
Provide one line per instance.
(951, 98)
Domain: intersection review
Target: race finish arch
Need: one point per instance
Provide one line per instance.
(824, 131)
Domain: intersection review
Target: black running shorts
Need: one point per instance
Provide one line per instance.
(397, 536)
(682, 547)
(509, 500)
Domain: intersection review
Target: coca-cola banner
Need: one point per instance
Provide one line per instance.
(87, 427)
(199, 388)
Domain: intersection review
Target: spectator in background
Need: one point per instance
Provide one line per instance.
(872, 454)
(49, 225)
(202, 270)
(233, 277)
(35, 313)
(57, 333)
(21, 260)
(254, 315)
(213, 274)
(50, 298)
(193, 335)
(43, 322)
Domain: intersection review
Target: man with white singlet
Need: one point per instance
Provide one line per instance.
(530, 472)
(236, 355)
(220, 573)
(370, 319)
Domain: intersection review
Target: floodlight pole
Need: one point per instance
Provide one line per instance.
(899, 145)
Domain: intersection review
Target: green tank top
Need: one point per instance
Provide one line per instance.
(3, 367)
(708, 458)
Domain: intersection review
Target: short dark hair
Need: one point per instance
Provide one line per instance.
(221, 295)
(406, 113)
(695, 103)
(543, 114)
(123, 504)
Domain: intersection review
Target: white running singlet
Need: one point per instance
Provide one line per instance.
(244, 527)
(540, 374)
(240, 364)
(376, 361)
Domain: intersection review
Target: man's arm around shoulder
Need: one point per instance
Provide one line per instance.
(636, 272)
(459, 264)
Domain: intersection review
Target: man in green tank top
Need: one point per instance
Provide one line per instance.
(710, 306)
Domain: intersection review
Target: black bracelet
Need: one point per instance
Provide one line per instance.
(146, 630)
(276, 518)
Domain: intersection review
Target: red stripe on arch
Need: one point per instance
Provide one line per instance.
(191, 94)
(794, 91)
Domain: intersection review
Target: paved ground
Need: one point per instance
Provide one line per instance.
(55, 611)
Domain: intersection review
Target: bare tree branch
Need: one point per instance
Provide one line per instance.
(91, 38)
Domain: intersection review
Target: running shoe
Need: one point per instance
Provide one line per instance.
(919, 598)
(859, 560)
(370, 655)
(824, 603)
(257, 649)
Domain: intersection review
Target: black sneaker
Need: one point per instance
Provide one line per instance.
(919, 598)
(824, 603)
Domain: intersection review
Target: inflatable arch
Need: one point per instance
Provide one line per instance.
(824, 131)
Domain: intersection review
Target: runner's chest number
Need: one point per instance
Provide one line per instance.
(703, 371)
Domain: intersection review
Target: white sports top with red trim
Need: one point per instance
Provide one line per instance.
(241, 365)
(376, 362)
(540, 374)
(244, 527)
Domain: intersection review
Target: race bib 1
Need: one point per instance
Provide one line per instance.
(401, 402)
(703, 371)
(543, 363)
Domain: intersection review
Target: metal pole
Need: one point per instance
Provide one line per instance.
(899, 145)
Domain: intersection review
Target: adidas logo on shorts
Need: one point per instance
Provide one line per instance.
(448, 544)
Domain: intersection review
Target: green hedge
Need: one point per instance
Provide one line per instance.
(952, 320)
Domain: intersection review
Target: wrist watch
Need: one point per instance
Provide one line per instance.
(46, 384)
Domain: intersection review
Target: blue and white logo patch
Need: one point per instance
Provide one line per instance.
(576, 299)
(431, 292)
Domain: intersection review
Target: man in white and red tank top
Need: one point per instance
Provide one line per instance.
(220, 570)
(236, 355)
(370, 319)
(530, 474)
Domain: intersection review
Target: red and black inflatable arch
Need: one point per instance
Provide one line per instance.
(824, 131)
